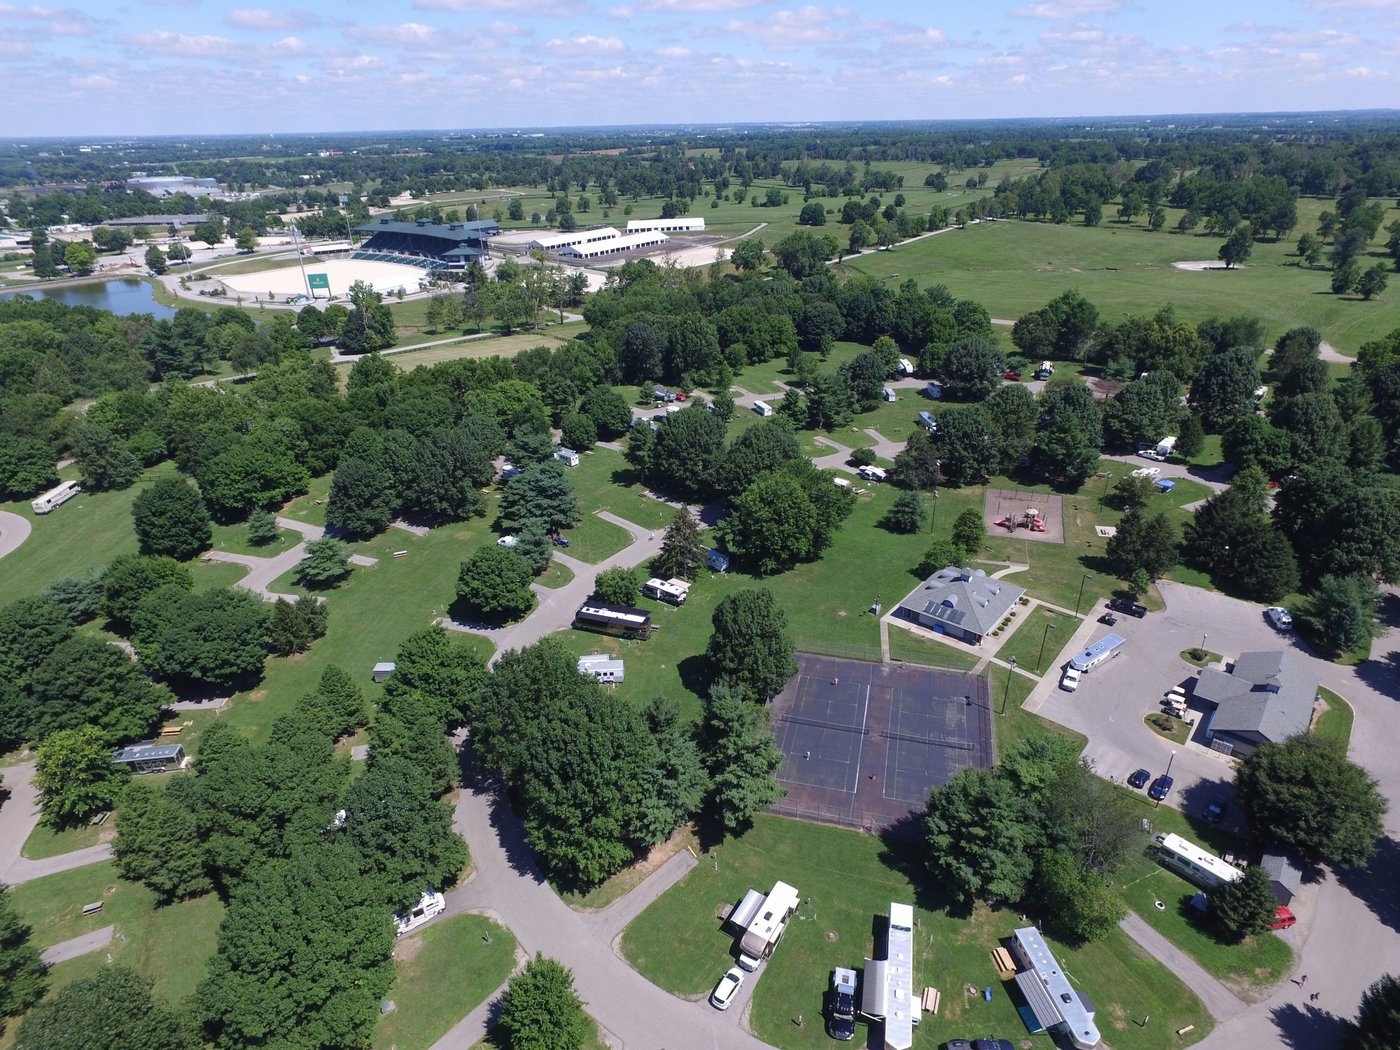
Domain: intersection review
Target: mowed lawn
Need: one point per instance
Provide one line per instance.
(442, 973)
(1012, 267)
(1040, 630)
(847, 881)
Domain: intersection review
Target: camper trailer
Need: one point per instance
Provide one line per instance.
(51, 499)
(767, 927)
(672, 591)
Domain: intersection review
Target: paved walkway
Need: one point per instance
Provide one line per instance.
(19, 815)
(556, 608)
(80, 945)
(14, 530)
(506, 885)
(1219, 1001)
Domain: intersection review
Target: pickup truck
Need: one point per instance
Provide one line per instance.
(1122, 605)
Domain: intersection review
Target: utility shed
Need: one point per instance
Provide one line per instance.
(1285, 875)
(383, 670)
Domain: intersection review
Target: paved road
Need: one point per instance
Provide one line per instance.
(507, 886)
(1219, 1000)
(263, 571)
(80, 945)
(556, 608)
(18, 817)
(1349, 927)
(14, 530)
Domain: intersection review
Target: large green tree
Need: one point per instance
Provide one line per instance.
(1341, 612)
(75, 776)
(325, 563)
(23, 975)
(158, 842)
(444, 672)
(682, 551)
(770, 524)
(750, 645)
(1305, 795)
(541, 1011)
(981, 835)
(362, 499)
(1246, 906)
(114, 1007)
(1377, 1024)
(496, 581)
(1145, 541)
(741, 756)
(214, 638)
(541, 493)
(171, 519)
(91, 683)
(133, 576)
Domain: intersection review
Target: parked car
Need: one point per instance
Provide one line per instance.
(1138, 779)
(1283, 918)
(1279, 617)
(681, 397)
(727, 988)
(1123, 605)
(1147, 472)
(1069, 681)
(1152, 454)
(1161, 787)
(561, 541)
(1215, 809)
(1015, 377)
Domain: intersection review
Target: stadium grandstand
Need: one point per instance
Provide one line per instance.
(432, 246)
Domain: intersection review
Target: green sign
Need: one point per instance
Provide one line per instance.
(318, 280)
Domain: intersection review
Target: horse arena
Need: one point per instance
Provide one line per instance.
(385, 278)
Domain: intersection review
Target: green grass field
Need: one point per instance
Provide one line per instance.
(904, 645)
(847, 881)
(1335, 722)
(44, 842)
(444, 972)
(1026, 644)
(1014, 267)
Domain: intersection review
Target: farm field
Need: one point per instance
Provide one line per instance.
(847, 881)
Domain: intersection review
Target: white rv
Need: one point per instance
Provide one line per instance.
(768, 926)
(59, 494)
(673, 591)
(429, 906)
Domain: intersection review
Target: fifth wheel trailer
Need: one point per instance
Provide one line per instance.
(768, 926)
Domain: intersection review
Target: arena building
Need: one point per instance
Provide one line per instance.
(613, 245)
(553, 242)
(169, 185)
(432, 246)
(676, 225)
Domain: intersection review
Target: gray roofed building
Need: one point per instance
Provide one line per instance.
(1265, 697)
(453, 244)
(150, 758)
(965, 603)
(1285, 875)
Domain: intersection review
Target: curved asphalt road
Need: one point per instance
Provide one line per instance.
(14, 530)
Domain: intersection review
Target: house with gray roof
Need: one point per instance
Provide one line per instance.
(964, 603)
(1265, 697)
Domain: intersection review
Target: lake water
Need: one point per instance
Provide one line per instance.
(124, 295)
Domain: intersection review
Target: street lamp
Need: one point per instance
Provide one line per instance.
(1086, 579)
(933, 514)
(1006, 695)
(1169, 765)
(1043, 635)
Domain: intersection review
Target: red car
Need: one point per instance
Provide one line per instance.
(1283, 918)
(1015, 377)
(681, 397)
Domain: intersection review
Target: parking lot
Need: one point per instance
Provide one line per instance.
(1113, 698)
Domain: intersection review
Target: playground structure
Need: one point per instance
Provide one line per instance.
(1037, 516)
(1030, 519)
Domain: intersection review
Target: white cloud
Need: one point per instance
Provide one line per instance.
(621, 12)
(168, 43)
(675, 52)
(262, 18)
(528, 8)
(586, 45)
(59, 21)
(1061, 9)
(697, 6)
(790, 30)
(288, 45)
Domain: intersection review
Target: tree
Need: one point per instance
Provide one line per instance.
(812, 214)
(682, 548)
(803, 254)
(211, 232)
(325, 563)
(608, 410)
(133, 576)
(158, 842)
(981, 836)
(907, 514)
(542, 492)
(246, 239)
(969, 533)
(1246, 906)
(771, 524)
(617, 586)
(1225, 389)
(114, 1007)
(942, 554)
(1146, 542)
(965, 444)
(287, 630)
(257, 471)
(213, 638)
(1372, 281)
(1304, 795)
(971, 368)
(87, 682)
(917, 464)
(430, 665)
(1341, 612)
(541, 1011)
(756, 451)
(688, 448)
(362, 499)
(1191, 442)
(496, 580)
(171, 519)
(80, 597)
(262, 528)
(750, 645)
(103, 459)
(1080, 904)
(80, 257)
(23, 975)
(156, 260)
(1345, 277)
(741, 756)
(1238, 246)
(748, 255)
(336, 705)
(76, 778)
(369, 326)
(26, 467)
(1377, 1024)
(674, 788)
(401, 832)
(578, 431)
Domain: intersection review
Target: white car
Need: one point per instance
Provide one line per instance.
(508, 542)
(1279, 617)
(1069, 681)
(727, 988)
(1152, 454)
(1147, 472)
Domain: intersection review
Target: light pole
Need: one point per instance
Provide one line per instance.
(1043, 635)
(933, 514)
(1086, 579)
(1006, 695)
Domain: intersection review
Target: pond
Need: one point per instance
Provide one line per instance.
(123, 295)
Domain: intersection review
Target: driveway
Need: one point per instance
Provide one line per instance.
(19, 815)
(1348, 932)
(14, 530)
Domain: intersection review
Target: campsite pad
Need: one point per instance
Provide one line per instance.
(863, 743)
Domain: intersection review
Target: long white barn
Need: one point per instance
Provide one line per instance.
(613, 245)
(679, 224)
(550, 242)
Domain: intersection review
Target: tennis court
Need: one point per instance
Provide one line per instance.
(864, 743)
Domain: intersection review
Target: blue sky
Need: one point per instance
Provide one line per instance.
(196, 66)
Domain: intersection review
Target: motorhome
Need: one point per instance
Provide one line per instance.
(59, 494)
(672, 591)
(1193, 863)
(768, 926)
(429, 906)
(1106, 648)
(620, 620)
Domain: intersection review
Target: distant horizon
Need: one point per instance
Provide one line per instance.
(1234, 117)
(202, 67)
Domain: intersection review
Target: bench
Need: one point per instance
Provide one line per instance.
(171, 730)
(93, 908)
(931, 1000)
(1001, 959)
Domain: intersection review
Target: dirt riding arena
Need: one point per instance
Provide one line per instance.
(864, 743)
(384, 277)
(1012, 504)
